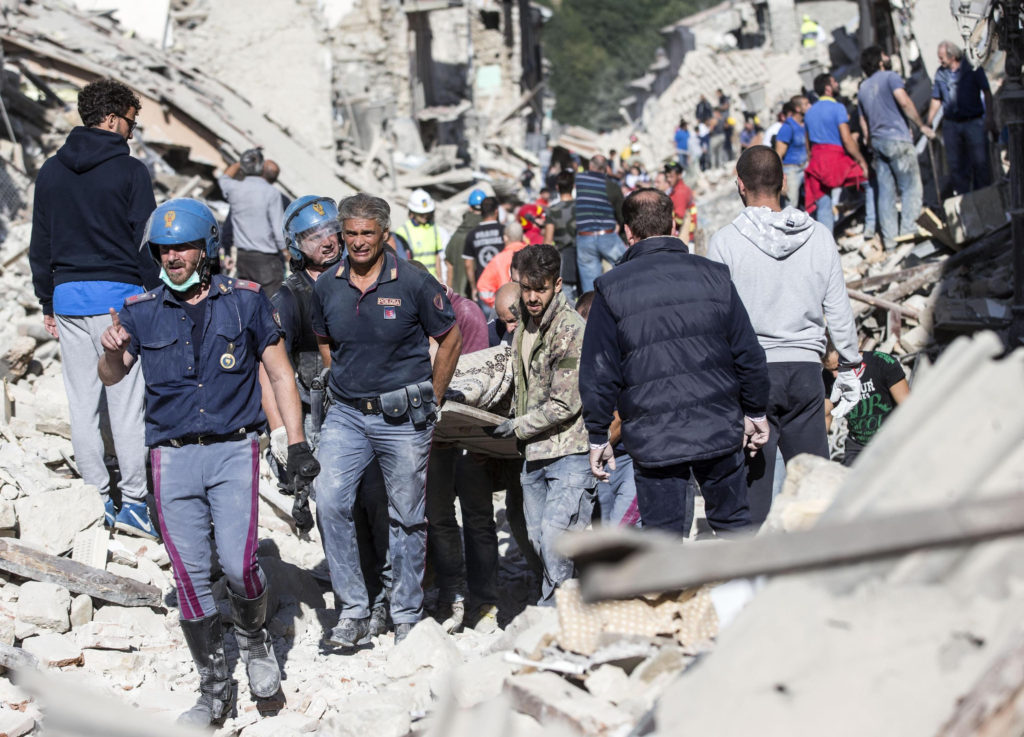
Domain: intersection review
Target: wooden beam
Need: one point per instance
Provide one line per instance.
(674, 566)
(882, 280)
(884, 303)
(76, 577)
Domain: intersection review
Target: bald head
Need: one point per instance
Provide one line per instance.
(505, 299)
(513, 231)
(760, 170)
(598, 163)
(271, 171)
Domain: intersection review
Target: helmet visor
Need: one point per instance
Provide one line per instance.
(320, 239)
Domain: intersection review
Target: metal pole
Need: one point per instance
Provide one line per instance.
(1011, 112)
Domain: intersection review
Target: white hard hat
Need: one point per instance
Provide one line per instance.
(420, 202)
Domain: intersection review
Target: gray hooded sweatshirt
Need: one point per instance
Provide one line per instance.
(786, 269)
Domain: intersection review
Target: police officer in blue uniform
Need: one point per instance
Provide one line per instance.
(373, 315)
(311, 233)
(200, 337)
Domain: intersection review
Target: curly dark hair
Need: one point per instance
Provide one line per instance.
(538, 264)
(103, 97)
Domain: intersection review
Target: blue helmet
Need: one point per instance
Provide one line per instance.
(476, 197)
(307, 221)
(181, 221)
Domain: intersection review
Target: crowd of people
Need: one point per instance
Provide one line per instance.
(625, 399)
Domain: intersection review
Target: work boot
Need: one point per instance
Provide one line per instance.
(402, 630)
(205, 638)
(254, 645)
(379, 620)
(350, 632)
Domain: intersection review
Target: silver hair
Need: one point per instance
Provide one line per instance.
(367, 207)
(513, 230)
(952, 50)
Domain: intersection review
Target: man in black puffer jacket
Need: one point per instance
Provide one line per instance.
(669, 344)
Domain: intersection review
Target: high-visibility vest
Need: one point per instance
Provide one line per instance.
(809, 33)
(424, 242)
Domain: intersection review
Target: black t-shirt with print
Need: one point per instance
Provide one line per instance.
(482, 243)
(879, 373)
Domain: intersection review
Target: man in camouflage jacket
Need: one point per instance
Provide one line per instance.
(558, 488)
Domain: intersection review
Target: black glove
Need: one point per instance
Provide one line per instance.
(302, 466)
(300, 511)
(507, 429)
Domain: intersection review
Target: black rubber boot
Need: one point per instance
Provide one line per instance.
(205, 638)
(254, 646)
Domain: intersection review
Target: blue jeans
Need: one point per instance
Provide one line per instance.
(870, 208)
(966, 154)
(794, 182)
(204, 487)
(683, 158)
(454, 472)
(616, 496)
(349, 441)
(558, 495)
(898, 177)
(589, 251)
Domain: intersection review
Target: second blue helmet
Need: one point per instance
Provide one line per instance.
(306, 218)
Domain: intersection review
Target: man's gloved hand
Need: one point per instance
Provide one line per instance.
(845, 393)
(302, 466)
(755, 433)
(279, 444)
(507, 429)
(300, 511)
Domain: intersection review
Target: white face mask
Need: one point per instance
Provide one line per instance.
(189, 283)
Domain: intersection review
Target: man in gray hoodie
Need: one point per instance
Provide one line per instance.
(786, 269)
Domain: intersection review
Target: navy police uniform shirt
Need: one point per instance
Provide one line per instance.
(220, 393)
(379, 339)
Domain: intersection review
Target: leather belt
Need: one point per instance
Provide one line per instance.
(366, 405)
(209, 439)
(596, 232)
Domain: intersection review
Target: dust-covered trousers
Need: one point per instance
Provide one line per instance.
(558, 496)
(349, 441)
(199, 487)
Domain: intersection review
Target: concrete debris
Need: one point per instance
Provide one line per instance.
(44, 605)
(54, 650)
(51, 520)
(553, 701)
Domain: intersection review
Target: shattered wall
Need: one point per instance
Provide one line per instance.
(273, 53)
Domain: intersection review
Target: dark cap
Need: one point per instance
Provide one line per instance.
(673, 166)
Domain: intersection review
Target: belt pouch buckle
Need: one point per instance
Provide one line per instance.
(394, 404)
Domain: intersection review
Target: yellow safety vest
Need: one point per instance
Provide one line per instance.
(424, 242)
(809, 33)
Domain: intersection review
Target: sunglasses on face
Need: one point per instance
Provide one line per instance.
(131, 123)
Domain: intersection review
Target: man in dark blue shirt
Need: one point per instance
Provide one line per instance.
(963, 93)
(312, 237)
(373, 316)
(200, 338)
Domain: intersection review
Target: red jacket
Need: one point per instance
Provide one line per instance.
(830, 167)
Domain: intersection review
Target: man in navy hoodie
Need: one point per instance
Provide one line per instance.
(92, 202)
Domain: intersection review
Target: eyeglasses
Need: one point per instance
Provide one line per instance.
(131, 123)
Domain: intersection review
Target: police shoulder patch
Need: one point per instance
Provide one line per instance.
(439, 301)
(144, 297)
(246, 284)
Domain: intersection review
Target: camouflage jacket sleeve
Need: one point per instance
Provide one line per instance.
(553, 395)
